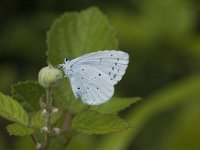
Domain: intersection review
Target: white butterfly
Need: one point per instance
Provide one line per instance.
(93, 75)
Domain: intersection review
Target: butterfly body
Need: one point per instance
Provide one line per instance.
(67, 67)
(93, 75)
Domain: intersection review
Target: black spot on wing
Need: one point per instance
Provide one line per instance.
(78, 96)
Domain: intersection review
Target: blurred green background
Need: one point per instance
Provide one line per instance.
(163, 40)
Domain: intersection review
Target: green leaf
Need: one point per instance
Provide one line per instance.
(75, 33)
(115, 105)
(10, 109)
(28, 94)
(38, 120)
(92, 122)
(19, 130)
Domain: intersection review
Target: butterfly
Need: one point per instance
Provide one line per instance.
(92, 76)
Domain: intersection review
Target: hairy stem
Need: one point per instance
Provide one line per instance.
(49, 98)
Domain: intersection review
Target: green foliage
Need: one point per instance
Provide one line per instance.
(115, 105)
(92, 122)
(10, 109)
(28, 93)
(19, 130)
(78, 33)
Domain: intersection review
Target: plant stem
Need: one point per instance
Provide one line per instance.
(49, 97)
(34, 139)
(67, 121)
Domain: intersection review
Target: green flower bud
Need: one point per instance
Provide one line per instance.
(49, 76)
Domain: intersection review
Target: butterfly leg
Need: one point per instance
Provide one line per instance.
(59, 66)
(65, 76)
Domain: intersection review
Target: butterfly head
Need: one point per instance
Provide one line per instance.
(66, 60)
(65, 65)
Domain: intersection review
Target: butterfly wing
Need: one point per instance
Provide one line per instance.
(113, 63)
(92, 86)
(95, 74)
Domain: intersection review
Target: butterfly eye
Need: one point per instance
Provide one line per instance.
(67, 59)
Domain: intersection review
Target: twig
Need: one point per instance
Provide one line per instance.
(34, 139)
(67, 120)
